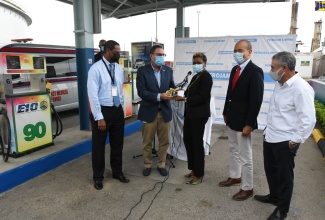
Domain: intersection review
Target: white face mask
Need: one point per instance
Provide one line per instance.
(275, 75)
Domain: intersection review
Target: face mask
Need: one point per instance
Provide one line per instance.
(116, 57)
(102, 49)
(197, 68)
(275, 76)
(160, 60)
(239, 58)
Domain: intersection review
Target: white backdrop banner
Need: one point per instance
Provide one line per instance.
(177, 147)
(219, 52)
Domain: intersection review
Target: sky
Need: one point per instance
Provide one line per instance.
(53, 23)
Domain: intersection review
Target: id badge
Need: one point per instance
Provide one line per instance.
(114, 90)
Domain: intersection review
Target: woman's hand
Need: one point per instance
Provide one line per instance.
(179, 98)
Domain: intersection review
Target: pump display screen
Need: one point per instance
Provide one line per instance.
(38, 62)
(13, 62)
(17, 63)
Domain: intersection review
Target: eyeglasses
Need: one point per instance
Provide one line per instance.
(160, 54)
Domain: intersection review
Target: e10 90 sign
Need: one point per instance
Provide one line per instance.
(31, 131)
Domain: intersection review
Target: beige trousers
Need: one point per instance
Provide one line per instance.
(149, 131)
(241, 158)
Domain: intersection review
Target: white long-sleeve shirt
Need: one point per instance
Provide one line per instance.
(291, 113)
(99, 87)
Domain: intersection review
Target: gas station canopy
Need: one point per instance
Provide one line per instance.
(127, 8)
(86, 11)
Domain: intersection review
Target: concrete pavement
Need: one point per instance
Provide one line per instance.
(67, 192)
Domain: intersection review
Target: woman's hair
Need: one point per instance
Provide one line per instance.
(200, 55)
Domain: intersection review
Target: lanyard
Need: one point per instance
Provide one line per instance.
(109, 72)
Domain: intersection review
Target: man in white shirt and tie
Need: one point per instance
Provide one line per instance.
(291, 119)
(105, 80)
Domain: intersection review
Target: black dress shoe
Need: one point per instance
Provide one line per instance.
(162, 171)
(98, 184)
(122, 178)
(146, 171)
(266, 199)
(277, 215)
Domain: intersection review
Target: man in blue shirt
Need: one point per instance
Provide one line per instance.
(105, 80)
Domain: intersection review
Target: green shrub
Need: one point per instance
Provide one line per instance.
(320, 114)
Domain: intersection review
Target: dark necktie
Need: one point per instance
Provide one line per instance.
(116, 99)
(236, 76)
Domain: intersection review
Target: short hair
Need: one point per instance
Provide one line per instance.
(110, 45)
(154, 47)
(200, 55)
(249, 45)
(285, 58)
(102, 42)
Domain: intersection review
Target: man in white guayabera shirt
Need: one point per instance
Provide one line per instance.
(291, 119)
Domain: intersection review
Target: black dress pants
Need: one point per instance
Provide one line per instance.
(114, 118)
(193, 140)
(279, 164)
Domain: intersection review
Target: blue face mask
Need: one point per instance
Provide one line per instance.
(239, 58)
(102, 49)
(197, 68)
(160, 60)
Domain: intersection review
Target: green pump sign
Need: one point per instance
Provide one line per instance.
(31, 131)
(33, 121)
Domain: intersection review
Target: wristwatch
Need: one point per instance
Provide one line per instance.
(294, 144)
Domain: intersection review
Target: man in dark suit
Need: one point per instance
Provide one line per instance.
(242, 105)
(153, 80)
(101, 45)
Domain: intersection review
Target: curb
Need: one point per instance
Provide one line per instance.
(319, 139)
(16, 176)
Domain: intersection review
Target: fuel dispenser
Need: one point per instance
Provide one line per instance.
(29, 111)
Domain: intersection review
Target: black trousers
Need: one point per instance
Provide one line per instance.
(279, 164)
(114, 118)
(193, 140)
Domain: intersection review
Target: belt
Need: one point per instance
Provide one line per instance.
(108, 107)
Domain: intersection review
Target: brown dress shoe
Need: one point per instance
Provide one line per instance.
(230, 182)
(243, 195)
